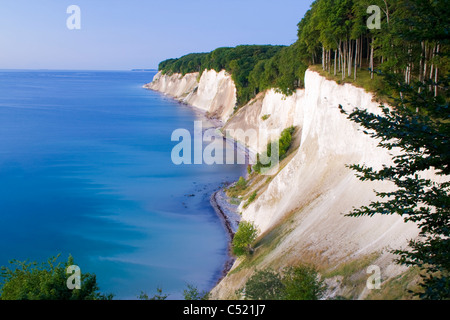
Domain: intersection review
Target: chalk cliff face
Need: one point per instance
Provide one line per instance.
(301, 211)
(214, 93)
(266, 115)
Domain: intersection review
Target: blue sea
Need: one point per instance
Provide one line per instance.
(86, 170)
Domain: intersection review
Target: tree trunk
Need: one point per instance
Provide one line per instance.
(323, 58)
(329, 61)
(422, 44)
(436, 75)
(368, 51)
(371, 60)
(344, 57)
(425, 62)
(356, 57)
(335, 60)
(350, 57)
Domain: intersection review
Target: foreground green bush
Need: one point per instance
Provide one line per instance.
(45, 281)
(250, 67)
(244, 237)
(293, 283)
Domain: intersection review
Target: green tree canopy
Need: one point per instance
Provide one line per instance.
(244, 238)
(300, 282)
(45, 281)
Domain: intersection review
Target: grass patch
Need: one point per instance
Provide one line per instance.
(398, 288)
(238, 189)
(234, 201)
(376, 86)
(347, 269)
(250, 199)
(353, 273)
(283, 144)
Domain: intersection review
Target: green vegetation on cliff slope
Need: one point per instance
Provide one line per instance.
(301, 282)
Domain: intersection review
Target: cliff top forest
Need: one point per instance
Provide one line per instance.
(412, 42)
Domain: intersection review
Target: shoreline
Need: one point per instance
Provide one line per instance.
(226, 211)
(230, 223)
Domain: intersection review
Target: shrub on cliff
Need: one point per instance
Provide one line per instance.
(244, 238)
(250, 199)
(283, 144)
(45, 281)
(293, 283)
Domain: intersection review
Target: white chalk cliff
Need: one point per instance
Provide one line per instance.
(214, 93)
(301, 210)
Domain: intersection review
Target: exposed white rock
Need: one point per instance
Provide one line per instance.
(214, 93)
(267, 115)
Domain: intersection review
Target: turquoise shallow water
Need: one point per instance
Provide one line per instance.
(85, 169)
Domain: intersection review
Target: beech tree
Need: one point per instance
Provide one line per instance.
(244, 238)
(45, 281)
(417, 126)
(423, 140)
(300, 282)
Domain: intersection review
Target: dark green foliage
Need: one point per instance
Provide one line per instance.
(284, 72)
(303, 283)
(419, 127)
(241, 183)
(283, 144)
(244, 238)
(252, 68)
(293, 283)
(45, 281)
(238, 188)
(192, 293)
(285, 141)
(410, 42)
(265, 285)
(250, 199)
(412, 47)
(186, 64)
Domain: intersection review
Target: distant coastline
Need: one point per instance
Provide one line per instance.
(143, 70)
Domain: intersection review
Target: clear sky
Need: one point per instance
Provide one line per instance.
(126, 34)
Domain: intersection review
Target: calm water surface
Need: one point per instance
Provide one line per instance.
(85, 169)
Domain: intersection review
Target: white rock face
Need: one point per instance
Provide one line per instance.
(175, 85)
(214, 93)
